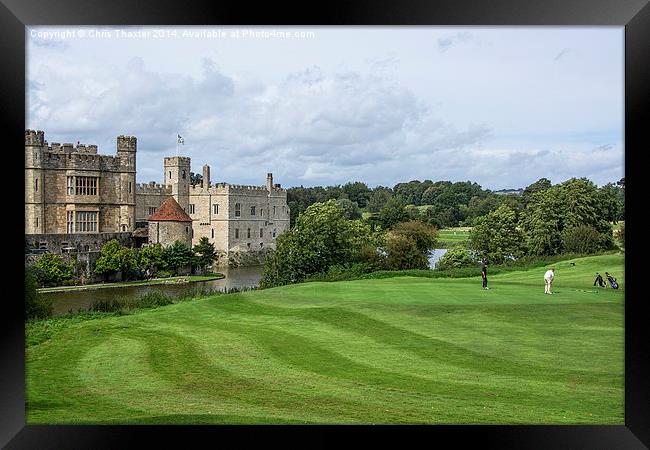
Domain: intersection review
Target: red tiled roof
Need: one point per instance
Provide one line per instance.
(170, 210)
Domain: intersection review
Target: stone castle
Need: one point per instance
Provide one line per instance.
(77, 199)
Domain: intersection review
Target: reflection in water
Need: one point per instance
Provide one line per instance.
(240, 277)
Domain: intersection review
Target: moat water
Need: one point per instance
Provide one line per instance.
(73, 301)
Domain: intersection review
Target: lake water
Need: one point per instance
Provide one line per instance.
(435, 255)
(240, 278)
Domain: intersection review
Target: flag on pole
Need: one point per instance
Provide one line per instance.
(180, 139)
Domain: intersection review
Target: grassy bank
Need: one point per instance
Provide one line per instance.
(394, 350)
(153, 281)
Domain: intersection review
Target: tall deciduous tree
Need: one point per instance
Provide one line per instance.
(496, 236)
(322, 237)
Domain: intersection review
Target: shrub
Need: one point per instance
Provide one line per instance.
(52, 271)
(115, 258)
(582, 239)
(402, 253)
(455, 258)
(36, 307)
(163, 274)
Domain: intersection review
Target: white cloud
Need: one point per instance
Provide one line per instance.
(398, 116)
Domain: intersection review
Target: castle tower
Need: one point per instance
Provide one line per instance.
(126, 152)
(34, 178)
(269, 181)
(170, 224)
(206, 177)
(177, 175)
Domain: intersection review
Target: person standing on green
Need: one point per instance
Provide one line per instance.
(548, 280)
(484, 276)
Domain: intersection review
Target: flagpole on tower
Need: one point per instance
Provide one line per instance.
(179, 140)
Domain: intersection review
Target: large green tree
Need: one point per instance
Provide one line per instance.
(178, 255)
(322, 237)
(574, 203)
(496, 236)
(393, 212)
(151, 258)
(113, 258)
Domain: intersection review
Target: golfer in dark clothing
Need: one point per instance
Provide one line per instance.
(484, 276)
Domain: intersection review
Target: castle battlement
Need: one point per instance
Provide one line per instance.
(152, 188)
(34, 137)
(40, 154)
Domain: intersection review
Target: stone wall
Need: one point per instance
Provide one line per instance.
(88, 242)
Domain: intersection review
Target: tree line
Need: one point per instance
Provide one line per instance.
(440, 204)
(131, 263)
(331, 234)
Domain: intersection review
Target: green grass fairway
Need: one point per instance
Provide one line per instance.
(397, 350)
(450, 236)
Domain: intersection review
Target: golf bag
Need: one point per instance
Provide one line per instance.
(599, 281)
(612, 282)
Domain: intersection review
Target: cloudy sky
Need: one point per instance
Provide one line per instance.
(502, 106)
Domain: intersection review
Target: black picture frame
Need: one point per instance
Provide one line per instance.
(634, 15)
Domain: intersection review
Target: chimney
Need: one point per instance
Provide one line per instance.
(269, 181)
(206, 176)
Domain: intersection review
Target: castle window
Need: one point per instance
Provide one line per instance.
(85, 221)
(249, 233)
(236, 233)
(191, 205)
(36, 187)
(213, 233)
(129, 187)
(237, 209)
(170, 174)
(183, 174)
(70, 185)
(274, 211)
(248, 245)
(215, 208)
(252, 210)
(187, 230)
(70, 228)
(152, 209)
(83, 185)
(274, 231)
(261, 232)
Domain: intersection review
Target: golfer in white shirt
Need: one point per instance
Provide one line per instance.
(548, 280)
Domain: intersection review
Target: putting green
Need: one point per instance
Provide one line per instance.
(398, 350)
